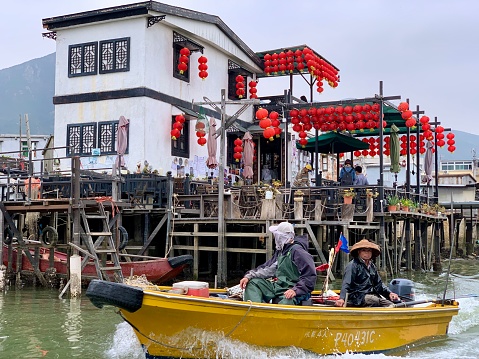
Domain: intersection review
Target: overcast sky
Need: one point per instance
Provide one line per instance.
(423, 50)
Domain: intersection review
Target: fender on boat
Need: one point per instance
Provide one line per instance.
(120, 295)
(186, 259)
(123, 238)
(49, 237)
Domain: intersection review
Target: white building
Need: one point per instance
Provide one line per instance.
(123, 61)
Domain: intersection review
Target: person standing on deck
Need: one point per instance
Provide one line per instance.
(288, 277)
(302, 178)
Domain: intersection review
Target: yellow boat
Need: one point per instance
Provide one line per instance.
(183, 326)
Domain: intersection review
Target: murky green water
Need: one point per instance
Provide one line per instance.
(34, 323)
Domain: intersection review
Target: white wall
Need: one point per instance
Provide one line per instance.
(151, 66)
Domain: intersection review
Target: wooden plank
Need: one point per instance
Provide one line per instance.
(152, 235)
(215, 234)
(317, 247)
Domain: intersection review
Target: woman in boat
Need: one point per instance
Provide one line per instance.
(288, 277)
(361, 283)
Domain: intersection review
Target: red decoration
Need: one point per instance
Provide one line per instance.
(252, 89)
(403, 106)
(262, 113)
(269, 133)
(175, 134)
(183, 60)
(238, 149)
(201, 141)
(240, 86)
(202, 60)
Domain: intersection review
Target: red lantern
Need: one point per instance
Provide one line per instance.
(450, 136)
(237, 156)
(451, 149)
(269, 133)
(180, 118)
(303, 142)
(262, 113)
(357, 153)
(183, 60)
(253, 89)
(240, 86)
(406, 114)
(424, 119)
(175, 134)
(238, 149)
(203, 67)
(439, 129)
(403, 106)
(201, 141)
(265, 123)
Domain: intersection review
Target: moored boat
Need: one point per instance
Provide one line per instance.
(157, 270)
(173, 325)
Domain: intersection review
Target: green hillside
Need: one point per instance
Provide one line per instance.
(28, 88)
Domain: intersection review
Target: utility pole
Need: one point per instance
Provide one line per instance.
(226, 121)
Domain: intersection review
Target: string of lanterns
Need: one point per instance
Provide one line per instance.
(183, 60)
(177, 127)
(270, 125)
(202, 67)
(301, 60)
(238, 149)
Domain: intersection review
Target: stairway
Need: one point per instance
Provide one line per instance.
(101, 245)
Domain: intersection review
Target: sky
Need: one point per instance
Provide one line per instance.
(426, 51)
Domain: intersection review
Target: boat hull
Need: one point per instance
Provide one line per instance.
(157, 271)
(178, 326)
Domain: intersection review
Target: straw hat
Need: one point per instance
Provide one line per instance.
(364, 243)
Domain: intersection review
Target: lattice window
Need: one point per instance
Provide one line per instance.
(107, 137)
(115, 55)
(82, 59)
(81, 139)
(181, 146)
(234, 70)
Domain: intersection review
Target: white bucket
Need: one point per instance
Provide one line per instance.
(268, 195)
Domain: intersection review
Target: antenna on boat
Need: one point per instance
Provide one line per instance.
(452, 228)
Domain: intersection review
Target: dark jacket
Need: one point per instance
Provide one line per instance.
(360, 280)
(301, 259)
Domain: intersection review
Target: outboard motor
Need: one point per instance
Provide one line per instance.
(404, 288)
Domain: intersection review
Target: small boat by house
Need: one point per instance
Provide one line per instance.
(156, 270)
(174, 325)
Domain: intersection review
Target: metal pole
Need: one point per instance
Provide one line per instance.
(436, 166)
(382, 234)
(222, 268)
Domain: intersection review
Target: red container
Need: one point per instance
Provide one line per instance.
(195, 288)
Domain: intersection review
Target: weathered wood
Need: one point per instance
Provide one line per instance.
(369, 209)
(318, 209)
(347, 212)
(268, 209)
(298, 207)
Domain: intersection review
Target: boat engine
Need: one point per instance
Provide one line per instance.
(404, 288)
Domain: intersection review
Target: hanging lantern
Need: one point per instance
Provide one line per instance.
(238, 149)
(183, 60)
(202, 67)
(439, 129)
(240, 86)
(265, 123)
(201, 141)
(175, 134)
(269, 133)
(252, 89)
(424, 119)
(406, 114)
(403, 106)
(357, 153)
(262, 113)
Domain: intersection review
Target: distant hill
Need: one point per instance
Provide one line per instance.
(29, 88)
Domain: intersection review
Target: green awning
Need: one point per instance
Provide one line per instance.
(333, 142)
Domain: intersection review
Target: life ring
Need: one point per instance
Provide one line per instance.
(123, 238)
(49, 237)
(7, 235)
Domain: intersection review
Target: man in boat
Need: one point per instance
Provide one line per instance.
(288, 277)
(362, 284)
